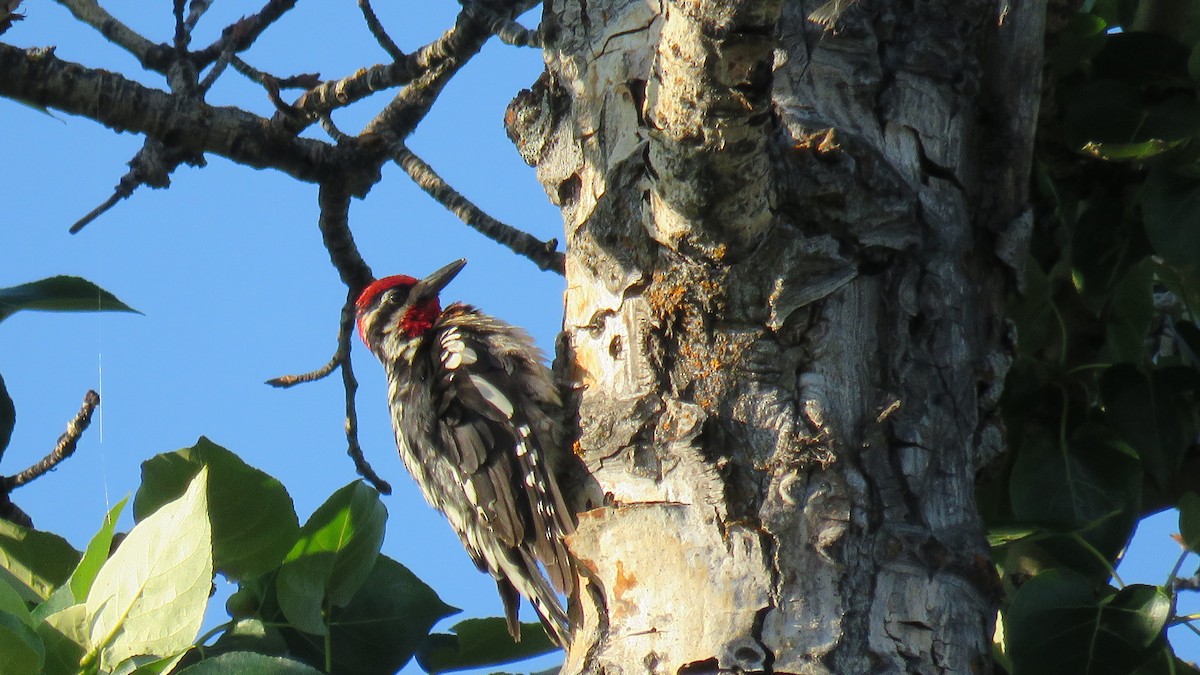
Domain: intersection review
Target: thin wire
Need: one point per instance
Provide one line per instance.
(100, 389)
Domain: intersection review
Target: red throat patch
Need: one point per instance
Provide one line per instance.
(419, 319)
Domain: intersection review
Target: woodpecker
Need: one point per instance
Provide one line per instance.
(475, 414)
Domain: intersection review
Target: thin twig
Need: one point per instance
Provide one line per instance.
(152, 166)
(213, 73)
(244, 31)
(350, 384)
(379, 32)
(437, 62)
(335, 231)
(341, 359)
(542, 253)
(65, 446)
(286, 381)
(117, 195)
(273, 84)
(425, 71)
(301, 81)
(334, 132)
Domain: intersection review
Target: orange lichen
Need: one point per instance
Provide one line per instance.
(622, 585)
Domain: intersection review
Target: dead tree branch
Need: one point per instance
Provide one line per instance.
(156, 57)
(379, 32)
(152, 166)
(63, 449)
(243, 32)
(37, 76)
(522, 243)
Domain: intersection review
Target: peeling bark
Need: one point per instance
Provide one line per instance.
(788, 246)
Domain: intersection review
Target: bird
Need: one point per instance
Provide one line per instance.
(477, 421)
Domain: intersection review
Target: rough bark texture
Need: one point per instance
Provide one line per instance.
(788, 245)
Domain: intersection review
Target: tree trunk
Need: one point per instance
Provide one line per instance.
(788, 246)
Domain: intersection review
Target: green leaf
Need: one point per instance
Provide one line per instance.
(250, 635)
(254, 523)
(149, 598)
(1109, 119)
(1058, 624)
(482, 643)
(1144, 411)
(59, 294)
(35, 562)
(21, 650)
(11, 602)
(248, 663)
(65, 635)
(381, 627)
(1072, 487)
(1171, 209)
(1126, 152)
(8, 416)
(1132, 310)
(1189, 520)
(1003, 535)
(95, 554)
(1083, 497)
(149, 665)
(336, 551)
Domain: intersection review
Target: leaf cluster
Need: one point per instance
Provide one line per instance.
(1102, 403)
(311, 598)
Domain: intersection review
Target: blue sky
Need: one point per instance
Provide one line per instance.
(228, 268)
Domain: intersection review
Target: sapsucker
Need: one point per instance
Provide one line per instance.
(476, 417)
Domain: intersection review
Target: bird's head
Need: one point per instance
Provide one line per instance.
(402, 304)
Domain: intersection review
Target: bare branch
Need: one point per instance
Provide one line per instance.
(542, 253)
(350, 384)
(426, 71)
(196, 10)
(153, 166)
(213, 73)
(437, 62)
(63, 449)
(242, 33)
(508, 30)
(378, 31)
(100, 210)
(333, 94)
(513, 33)
(334, 222)
(182, 35)
(37, 76)
(301, 81)
(341, 359)
(155, 57)
(273, 84)
(288, 381)
(334, 132)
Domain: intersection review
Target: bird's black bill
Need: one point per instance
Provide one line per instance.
(433, 284)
